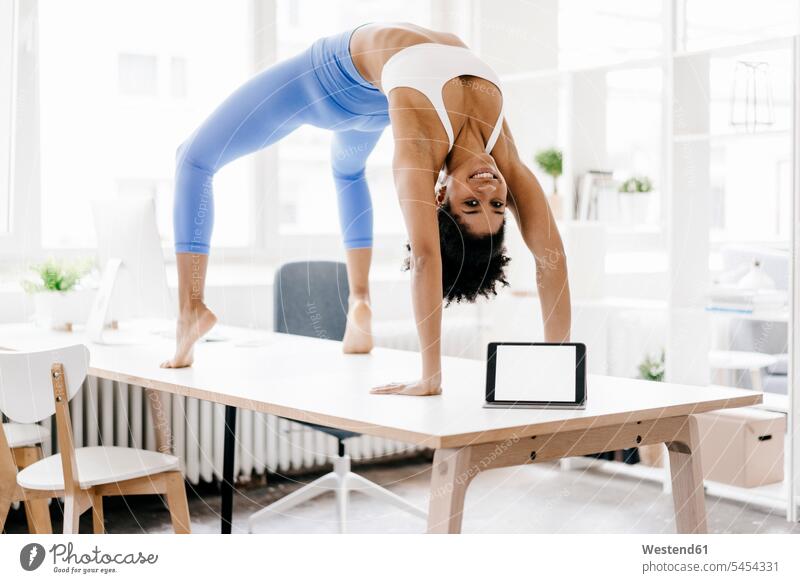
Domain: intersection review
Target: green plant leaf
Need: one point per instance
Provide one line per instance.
(636, 184)
(652, 368)
(57, 275)
(551, 161)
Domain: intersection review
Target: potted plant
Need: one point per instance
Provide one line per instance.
(59, 299)
(635, 199)
(652, 369)
(551, 161)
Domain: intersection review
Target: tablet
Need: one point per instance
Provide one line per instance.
(536, 375)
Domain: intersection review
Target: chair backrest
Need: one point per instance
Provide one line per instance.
(310, 299)
(26, 384)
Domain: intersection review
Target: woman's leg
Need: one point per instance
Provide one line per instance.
(194, 318)
(265, 109)
(358, 333)
(349, 152)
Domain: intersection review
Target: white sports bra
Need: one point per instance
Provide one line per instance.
(427, 67)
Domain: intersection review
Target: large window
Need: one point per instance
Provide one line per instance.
(593, 33)
(122, 84)
(307, 194)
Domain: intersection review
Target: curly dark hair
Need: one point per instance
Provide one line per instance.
(472, 265)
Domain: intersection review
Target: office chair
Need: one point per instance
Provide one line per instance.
(321, 285)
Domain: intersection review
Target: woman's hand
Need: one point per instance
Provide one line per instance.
(430, 385)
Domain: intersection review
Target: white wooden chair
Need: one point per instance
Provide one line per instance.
(20, 446)
(34, 386)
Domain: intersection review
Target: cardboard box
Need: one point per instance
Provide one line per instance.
(742, 447)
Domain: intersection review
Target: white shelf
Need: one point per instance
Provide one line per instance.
(784, 42)
(625, 303)
(760, 316)
(686, 138)
(772, 496)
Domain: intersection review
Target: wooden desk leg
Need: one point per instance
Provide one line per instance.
(687, 479)
(226, 488)
(162, 424)
(450, 476)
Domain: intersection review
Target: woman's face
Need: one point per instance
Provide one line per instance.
(476, 193)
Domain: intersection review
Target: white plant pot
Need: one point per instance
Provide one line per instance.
(634, 207)
(61, 310)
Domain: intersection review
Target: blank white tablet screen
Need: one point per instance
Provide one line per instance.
(535, 373)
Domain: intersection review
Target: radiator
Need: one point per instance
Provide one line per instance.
(112, 413)
(461, 337)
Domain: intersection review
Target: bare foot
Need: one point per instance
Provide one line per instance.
(191, 326)
(358, 334)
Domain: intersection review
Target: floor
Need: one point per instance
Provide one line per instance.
(527, 499)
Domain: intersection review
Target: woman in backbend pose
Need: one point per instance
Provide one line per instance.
(456, 171)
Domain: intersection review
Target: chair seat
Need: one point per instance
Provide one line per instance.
(25, 434)
(96, 466)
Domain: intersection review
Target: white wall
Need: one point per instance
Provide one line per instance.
(7, 114)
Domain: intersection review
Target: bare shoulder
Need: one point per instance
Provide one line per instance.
(417, 130)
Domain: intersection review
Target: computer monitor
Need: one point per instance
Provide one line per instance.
(134, 278)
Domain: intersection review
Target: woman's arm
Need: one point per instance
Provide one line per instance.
(529, 206)
(416, 165)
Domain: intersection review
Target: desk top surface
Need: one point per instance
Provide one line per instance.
(311, 380)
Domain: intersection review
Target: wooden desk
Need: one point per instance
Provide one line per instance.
(311, 380)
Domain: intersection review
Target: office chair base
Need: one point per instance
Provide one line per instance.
(341, 481)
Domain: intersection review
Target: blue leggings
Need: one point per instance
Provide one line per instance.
(320, 87)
